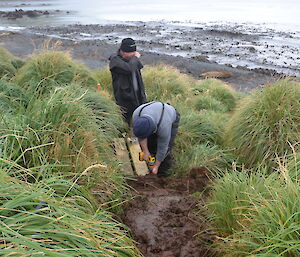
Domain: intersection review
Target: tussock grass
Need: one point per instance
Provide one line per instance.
(108, 114)
(293, 167)
(12, 96)
(104, 78)
(235, 194)
(200, 128)
(207, 102)
(8, 64)
(267, 125)
(50, 69)
(37, 132)
(167, 84)
(256, 213)
(33, 222)
(213, 158)
(70, 132)
(219, 91)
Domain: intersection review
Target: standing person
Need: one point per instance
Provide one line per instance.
(128, 86)
(155, 124)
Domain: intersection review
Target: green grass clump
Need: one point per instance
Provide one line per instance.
(36, 221)
(213, 158)
(276, 226)
(12, 96)
(108, 114)
(104, 78)
(207, 102)
(51, 69)
(8, 64)
(293, 167)
(200, 128)
(234, 195)
(266, 126)
(219, 91)
(256, 213)
(167, 84)
(57, 130)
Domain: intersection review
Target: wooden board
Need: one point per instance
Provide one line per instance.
(123, 156)
(141, 168)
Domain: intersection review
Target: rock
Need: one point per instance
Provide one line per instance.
(217, 74)
(32, 14)
(201, 58)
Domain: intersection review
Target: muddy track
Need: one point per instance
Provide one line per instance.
(163, 219)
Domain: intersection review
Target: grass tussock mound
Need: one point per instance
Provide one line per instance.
(293, 166)
(256, 214)
(167, 84)
(33, 137)
(104, 78)
(199, 142)
(212, 157)
(51, 69)
(200, 128)
(37, 221)
(12, 96)
(213, 94)
(266, 126)
(8, 64)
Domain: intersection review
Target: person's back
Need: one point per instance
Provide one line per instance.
(128, 86)
(156, 124)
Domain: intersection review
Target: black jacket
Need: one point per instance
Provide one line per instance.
(122, 70)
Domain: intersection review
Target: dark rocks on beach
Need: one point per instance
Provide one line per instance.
(201, 58)
(20, 13)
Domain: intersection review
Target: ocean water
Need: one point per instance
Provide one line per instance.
(254, 34)
(277, 14)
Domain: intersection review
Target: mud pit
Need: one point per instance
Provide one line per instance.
(162, 216)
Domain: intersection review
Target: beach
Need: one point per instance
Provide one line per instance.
(253, 54)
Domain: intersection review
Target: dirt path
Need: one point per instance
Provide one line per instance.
(162, 216)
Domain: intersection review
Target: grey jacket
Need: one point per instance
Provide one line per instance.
(154, 111)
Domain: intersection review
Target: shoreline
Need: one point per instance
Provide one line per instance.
(94, 53)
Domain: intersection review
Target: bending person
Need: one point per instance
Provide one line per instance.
(155, 124)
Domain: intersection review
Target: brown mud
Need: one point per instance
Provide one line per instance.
(163, 218)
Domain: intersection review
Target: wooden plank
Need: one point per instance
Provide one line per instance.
(141, 168)
(123, 156)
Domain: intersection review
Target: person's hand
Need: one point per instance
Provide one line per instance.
(137, 54)
(155, 170)
(146, 156)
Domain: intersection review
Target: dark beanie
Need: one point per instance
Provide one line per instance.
(143, 127)
(128, 45)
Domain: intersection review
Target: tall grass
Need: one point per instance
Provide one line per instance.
(8, 64)
(256, 214)
(167, 84)
(267, 124)
(59, 130)
(200, 128)
(12, 97)
(213, 158)
(33, 222)
(207, 102)
(235, 194)
(293, 166)
(104, 78)
(50, 69)
(219, 91)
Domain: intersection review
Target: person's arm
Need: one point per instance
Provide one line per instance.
(144, 146)
(119, 66)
